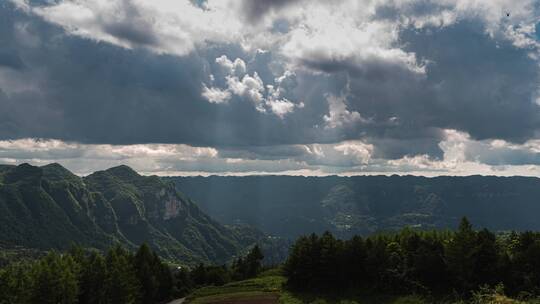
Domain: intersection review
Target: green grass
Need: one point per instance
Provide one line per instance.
(271, 282)
(287, 297)
(229, 296)
(262, 285)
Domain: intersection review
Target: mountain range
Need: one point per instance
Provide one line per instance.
(49, 207)
(214, 219)
(289, 206)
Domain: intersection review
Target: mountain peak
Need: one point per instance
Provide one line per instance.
(123, 172)
(25, 172)
(57, 172)
(54, 165)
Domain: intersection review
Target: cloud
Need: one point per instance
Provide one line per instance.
(171, 158)
(462, 156)
(296, 78)
(250, 87)
(11, 60)
(269, 98)
(238, 67)
(254, 10)
(281, 107)
(338, 115)
(162, 26)
(331, 41)
(216, 95)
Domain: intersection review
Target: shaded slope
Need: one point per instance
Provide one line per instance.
(289, 206)
(149, 209)
(49, 207)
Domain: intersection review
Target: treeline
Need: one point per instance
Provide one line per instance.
(421, 262)
(240, 269)
(118, 276)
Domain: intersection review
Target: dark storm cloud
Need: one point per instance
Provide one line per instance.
(485, 88)
(131, 27)
(371, 69)
(423, 8)
(254, 10)
(94, 92)
(10, 59)
(391, 148)
(472, 83)
(132, 32)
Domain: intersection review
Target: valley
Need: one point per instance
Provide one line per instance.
(290, 206)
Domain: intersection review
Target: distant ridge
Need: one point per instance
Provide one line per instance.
(289, 206)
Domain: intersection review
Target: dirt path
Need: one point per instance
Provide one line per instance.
(264, 299)
(177, 301)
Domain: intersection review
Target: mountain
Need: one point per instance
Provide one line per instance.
(288, 206)
(50, 207)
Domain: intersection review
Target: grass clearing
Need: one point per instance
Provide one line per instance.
(267, 288)
(238, 297)
(267, 284)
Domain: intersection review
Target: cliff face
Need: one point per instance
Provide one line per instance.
(49, 207)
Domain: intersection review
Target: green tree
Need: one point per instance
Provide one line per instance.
(353, 263)
(487, 267)
(93, 280)
(302, 265)
(15, 281)
(460, 256)
(144, 265)
(165, 279)
(425, 263)
(182, 282)
(55, 280)
(330, 251)
(254, 261)
(122, 283)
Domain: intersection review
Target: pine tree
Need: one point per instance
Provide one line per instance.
(352, 265)
(55, 280)
(328, 261)
(182, 282)
(144, 265)
(486, 268)
(460, 256)
(93, 280)
(15, 281)
(254, 262)
(122, 283)
(165, 279)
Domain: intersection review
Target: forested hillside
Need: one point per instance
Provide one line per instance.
(436, 264)
(49, 207)
(290, 206)
(410, 266)
(117, 276)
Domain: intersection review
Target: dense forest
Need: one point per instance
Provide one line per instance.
(435, 263)
(118, 276)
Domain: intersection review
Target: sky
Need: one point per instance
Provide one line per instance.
(298, 87)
